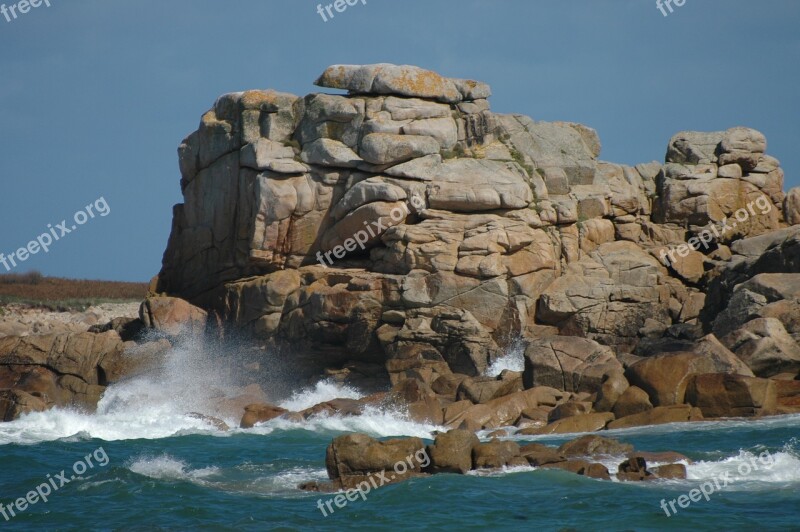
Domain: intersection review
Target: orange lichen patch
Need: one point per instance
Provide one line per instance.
(265, 100)
(210, 118)
(425, 84)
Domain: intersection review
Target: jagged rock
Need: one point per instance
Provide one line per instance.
(568, 363)
(330, 152)
(761, 264)
(613, 387)
(407, 226)
(448, 385)
(496, 454)
(791, 206)
(469, 185)
(670, 471)
(591, 445)
(569, 409)
(352, 458)
(788, 393)
(581, 467)
(129, 329)
(665, 377)
(172, 316)
(484, 389)
(765, 346)
(452, 451)
(634, 469)
(572, 147)
(539, 455)
(503, 411)
(718, 395)
(711, 176)
(609, 297)
(64, 370)
(14, 403)
(633, 400)
(579, 423)
(658, 416)
(260, 413)
(598, 471)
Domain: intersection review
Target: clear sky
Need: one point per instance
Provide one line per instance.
(96, 95)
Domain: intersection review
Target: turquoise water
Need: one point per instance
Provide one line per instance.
(246, 480)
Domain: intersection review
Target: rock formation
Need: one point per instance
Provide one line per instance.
(405, 235)
(358, 462)
(407, 224)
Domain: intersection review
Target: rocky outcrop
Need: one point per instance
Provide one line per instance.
(172, 316)
(665, 377)
(405, 224)
(732, 395)
(65, 370)
(358, 462)
(405, 232)
(352, 459)
(713, 176)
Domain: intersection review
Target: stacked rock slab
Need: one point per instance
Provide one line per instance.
(405, 223)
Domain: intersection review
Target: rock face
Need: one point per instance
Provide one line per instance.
(66, 370)
(406, 225)
(172, 316)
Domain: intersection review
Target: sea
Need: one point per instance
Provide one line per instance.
(144, 461)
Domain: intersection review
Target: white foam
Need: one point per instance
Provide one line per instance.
(165, 467)
(323, 391)
(750, 470)
(249, 479)
(374, 421)
(513, 360)
(153, 406)
(505, 470)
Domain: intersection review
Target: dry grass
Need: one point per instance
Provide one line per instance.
(65, 294)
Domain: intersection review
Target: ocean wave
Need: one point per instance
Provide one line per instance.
(375, 421)
(323, 391)
(165, 467)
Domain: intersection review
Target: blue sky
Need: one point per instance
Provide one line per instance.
(96, 95)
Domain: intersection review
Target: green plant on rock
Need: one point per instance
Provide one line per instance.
(456, 152)
(520, 160)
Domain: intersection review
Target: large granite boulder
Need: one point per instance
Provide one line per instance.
(354, 458)
(720, 395)
(665, 377)
(58, 370)
(568, 363)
